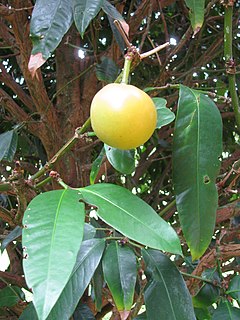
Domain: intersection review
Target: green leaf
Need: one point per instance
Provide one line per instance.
(14, 234)
(197, 144)
(121, 160)
(50, 20)
(120, 273)
(131, 216)
(52, 234)
(164, 115)
(9, 296)
(96, 166)
(83, 312)
(208, 294)
(8, 145)
(225, 311)
(112, 15)
(234, 288)
(107, 70)
(142, 316)
(88, 258)
(98, 282)
(202, 314)
(89, 232)
(196, 13)
(84, 12)
(166, 295)
(29, 313)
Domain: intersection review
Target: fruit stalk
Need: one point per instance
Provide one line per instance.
(126, 69)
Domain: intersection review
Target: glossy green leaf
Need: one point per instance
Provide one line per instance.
(52, 234)
(88, 258)
(196, 13)
(96, 166)
(8, 145)
(234, 288)
(83, 312)
(166, 296)
(107, 70)
(196, 147)
(14, 234)
(120, 273)
(9, 296)
(131, 216)
(50, 20)
(121, 160)
(29, 313)
(164, 115)
(84, 12)
(225, 311)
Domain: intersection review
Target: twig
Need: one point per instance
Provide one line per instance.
(153, 51)
(214, 283)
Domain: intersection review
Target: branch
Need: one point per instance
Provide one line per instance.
(13, 279)
(6, 216)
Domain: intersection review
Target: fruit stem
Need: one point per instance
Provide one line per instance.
(126, 68)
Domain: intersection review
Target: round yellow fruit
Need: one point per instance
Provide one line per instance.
(123, 116)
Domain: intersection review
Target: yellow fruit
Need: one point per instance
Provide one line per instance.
(123, 116)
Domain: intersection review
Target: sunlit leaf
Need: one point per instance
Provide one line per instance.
(196, 13)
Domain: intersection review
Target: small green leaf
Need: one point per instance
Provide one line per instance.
(9, 296)
(130, 215)
(14, 234)
(202, 314)
(84, 12)
(225, 311)
(164, 115)
(234, 288)
(96, 166)
(120, 273)
(197, 144)
(50, 20)
(8, 145)
(88, 258)
(196, 13)
(107, 70)
(121, 160)
(166, 295)
(52, 234)
(98, 282)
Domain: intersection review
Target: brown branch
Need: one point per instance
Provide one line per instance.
(13, 279)
(228, 212)
(16, 88)
(6, 216)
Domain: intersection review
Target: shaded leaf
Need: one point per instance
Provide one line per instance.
(131, 216)
(234, 288)
(164, 115)
(96, 166)
(166, 295)
(49, 220)
(9, 296)
(196, 13)
(29, 313)
(8, 145)
(50, 20)
(225, 311)
(84, 12)
(120, 273)
(89, 232)
(121, 160)
(142, 316)
(88, 258)
(97, 283)
(202, 314)
(112, 12)
(83, 312)
(197, 144)
(107, 70)
(14, 234)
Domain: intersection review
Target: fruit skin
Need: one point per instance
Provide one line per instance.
(123, 116)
